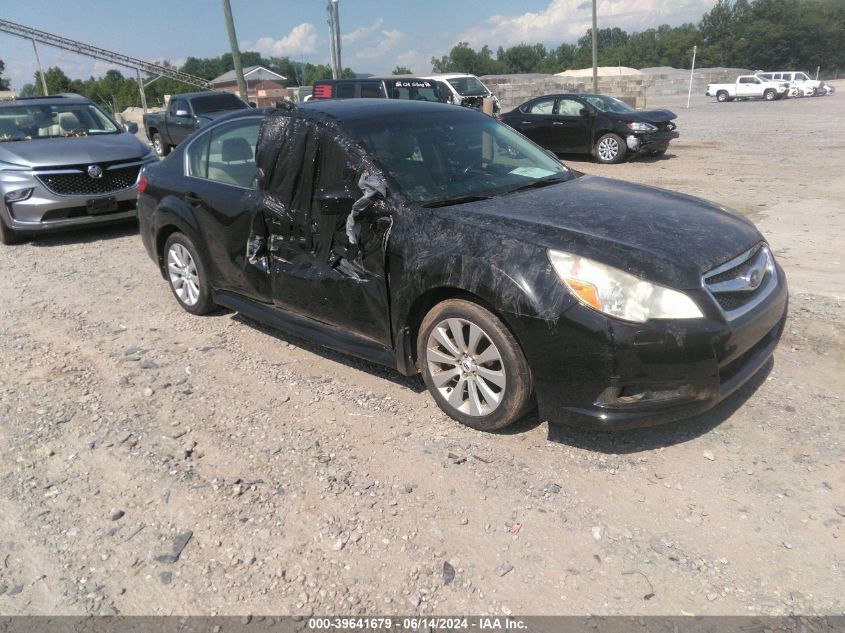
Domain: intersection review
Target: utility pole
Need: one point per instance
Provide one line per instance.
(40, 70)
(141, 89)
(336, 15)
(236, 53)
(332, 38)
(595, 51)
(333, 20)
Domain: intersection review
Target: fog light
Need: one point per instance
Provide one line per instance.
(633, 143)
(18, 195)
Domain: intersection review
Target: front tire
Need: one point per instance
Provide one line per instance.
(473, 366)
(186, 275)
(610, 148)
(9, 236)
(161, 148)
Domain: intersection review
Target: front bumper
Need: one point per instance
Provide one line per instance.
(46, 210)
(639, 142)
(593, 371)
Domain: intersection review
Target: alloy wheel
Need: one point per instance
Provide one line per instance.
(182, 272)
(466, 367)
(608, 149)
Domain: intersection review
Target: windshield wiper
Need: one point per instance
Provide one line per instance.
(448, 202)
(542, 182)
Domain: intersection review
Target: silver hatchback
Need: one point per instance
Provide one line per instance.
(65, 163)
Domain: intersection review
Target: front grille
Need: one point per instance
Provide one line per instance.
(743, 282)
(81, 184)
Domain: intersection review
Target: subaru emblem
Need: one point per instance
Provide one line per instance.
(95, 171)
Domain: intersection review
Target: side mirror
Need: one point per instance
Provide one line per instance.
(132, 128)
(182, 113)
(585, 112)
(337, 199)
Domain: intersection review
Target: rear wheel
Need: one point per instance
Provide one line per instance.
(473, 366)
(186, 275)
(610, 148)
(721, 96)
(162, 149)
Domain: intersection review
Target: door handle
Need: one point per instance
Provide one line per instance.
(192, 199)
(526, 122)
(558, 123)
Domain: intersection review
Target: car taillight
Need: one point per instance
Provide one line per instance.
(142, 183)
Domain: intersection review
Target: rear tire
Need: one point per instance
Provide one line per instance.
(473, 366)
(721, 96)
(610, 148)
(8, 236)
(162, 149)
(186, 275)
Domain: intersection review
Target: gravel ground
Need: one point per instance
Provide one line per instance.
(152, 462)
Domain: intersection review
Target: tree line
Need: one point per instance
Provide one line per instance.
(756, 34)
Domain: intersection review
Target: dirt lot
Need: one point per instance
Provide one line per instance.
(304, 481)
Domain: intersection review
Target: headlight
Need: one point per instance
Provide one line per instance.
(17, 196)
(638, 126)
(619, 294)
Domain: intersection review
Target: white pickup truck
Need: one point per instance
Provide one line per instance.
(748, 87)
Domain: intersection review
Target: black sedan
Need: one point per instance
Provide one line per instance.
(435, 240)
(605, 127)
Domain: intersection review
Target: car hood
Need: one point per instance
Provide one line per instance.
(645, 116)
(664, 236)
(53, 152)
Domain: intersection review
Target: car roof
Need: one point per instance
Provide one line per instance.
(243, 114)
(48, 100)
(357, 109)
(202, 93)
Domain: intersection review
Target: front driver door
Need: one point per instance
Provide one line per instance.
(179, 127)
(315, 271)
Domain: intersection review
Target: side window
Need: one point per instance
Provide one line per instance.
(345, 91)
(176, 104)
(371, 90)
(231, 153)
(569, 107)
(543, 106)
(198, 157)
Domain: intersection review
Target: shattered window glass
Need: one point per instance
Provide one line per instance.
(446, 155)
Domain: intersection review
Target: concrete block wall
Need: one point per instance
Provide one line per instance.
(513, 90)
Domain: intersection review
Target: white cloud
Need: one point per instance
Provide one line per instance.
(302, 40)
(568, 20)
(362, 32)
(387, 41)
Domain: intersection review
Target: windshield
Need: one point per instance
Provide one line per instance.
(608, 104)
(468, 87)
(216, 103)
(35, 121)
(456, 156)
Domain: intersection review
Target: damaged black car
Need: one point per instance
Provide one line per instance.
(435, 240)
(606, 127)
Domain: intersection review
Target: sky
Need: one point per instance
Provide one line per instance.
(377, 35)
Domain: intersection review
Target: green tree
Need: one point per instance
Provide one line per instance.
(401, 70)
(4, 83)
(57, 81)
(463, 59)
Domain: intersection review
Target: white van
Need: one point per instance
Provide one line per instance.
(467, 90)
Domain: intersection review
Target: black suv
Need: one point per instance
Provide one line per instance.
(400, 87)
(434, 239)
